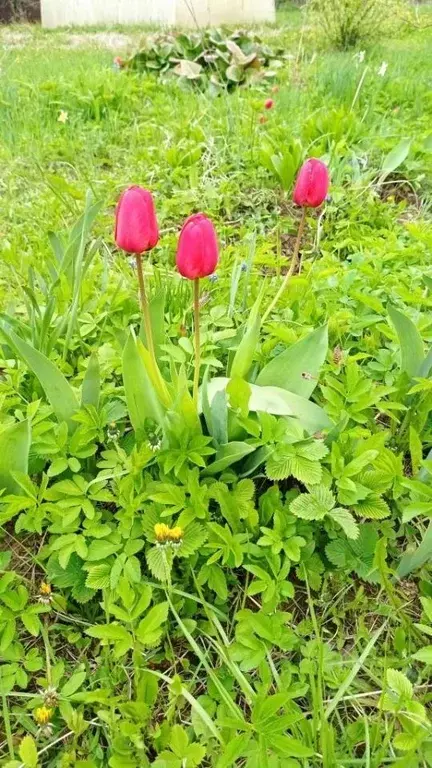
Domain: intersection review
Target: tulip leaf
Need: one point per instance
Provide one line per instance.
(279, 402)
(426, 365)
(141, 399)
(412, 561)
(244, 355)
(206, 409)
(396, 157)
(157, 315)
(410, 341)
(56, 387)
(219, 413)
(297, 368)
(255, 460)
(228, 454)
(157, 318)
(15, 442)
(154, 374)
(90, 393)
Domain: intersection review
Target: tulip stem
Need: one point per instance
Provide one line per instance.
(145, 309)
(293, 265)
(196, 291)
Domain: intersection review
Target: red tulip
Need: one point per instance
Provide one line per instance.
(197, 250)
(136, 224)
(312, 184)
(269, 104)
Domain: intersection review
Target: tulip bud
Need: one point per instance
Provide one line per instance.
(136, 224)
(312, 184)
(269, 104)
(197, 250)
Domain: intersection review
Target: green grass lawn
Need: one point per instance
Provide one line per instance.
(292, 627)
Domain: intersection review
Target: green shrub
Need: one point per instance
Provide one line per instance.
(344, 24)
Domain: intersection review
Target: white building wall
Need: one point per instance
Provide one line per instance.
(188, 13)
(59, 13)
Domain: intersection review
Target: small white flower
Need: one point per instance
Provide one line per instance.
(383, 69)
(63, 117)
(360, 56)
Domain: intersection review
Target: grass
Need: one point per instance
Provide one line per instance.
(229, 660)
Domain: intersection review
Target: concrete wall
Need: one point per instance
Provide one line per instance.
(188, 13)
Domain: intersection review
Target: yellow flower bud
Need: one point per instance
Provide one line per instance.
(176, 534)
(162, 532)
(42, 715)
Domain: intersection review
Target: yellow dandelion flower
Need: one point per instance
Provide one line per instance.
(45, 589)
(162, 532)
(176, 534)
(42, 715)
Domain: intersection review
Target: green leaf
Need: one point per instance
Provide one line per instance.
(109, 632)
(346, 521)
(416, 449)
(374, 508)
(405, 742)
(157, 317)
(279, 402)
(178, 741)
(290, 747)
(56, 387)
(424, 654)
(141, 398)
(219, 417)
(410, 341)
(234, 749)
(283, 167)
(228, 454)
(314, 505)
(235, 73)
(100, 549)
(149, 630)
(15, 441)
(297, 369)
(411, 561)
(73, 684)
(400, 684)
(90, 393)
(159, 561)
(205, 404)
(191, 70)
(28, 752)
(284, 462)
(98, 576)
(238, 391)
(245, 352)
(31, 622)
(427, 607)
(396, 157)
(194, 537)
